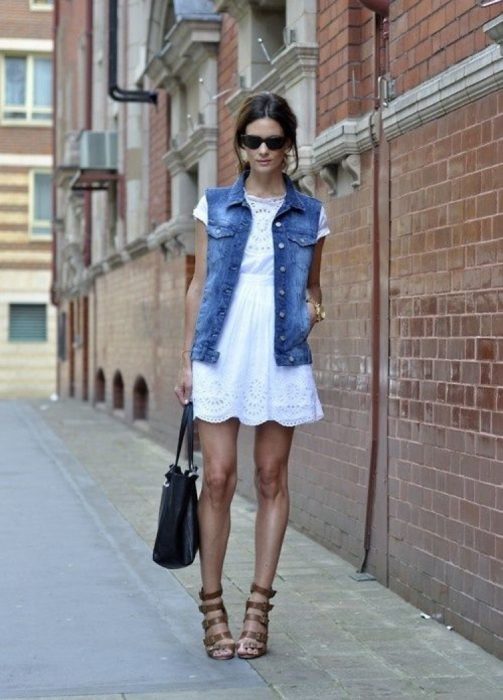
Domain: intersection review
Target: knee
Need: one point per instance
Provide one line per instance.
(219, 483)
(270, 480)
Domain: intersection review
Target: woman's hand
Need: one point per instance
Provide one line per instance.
(312, 314)
(184, 387)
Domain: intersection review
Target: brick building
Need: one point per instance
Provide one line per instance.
(401, 136)
(27, 319)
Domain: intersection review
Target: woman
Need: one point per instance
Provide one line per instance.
(252, 302)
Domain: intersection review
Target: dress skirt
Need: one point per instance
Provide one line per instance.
(246, 382)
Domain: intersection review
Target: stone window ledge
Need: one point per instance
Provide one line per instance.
(188, 44)
(187, 156)
(296, 62)
(461, 84)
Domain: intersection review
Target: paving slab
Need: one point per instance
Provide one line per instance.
(84, 609)
(331, 636)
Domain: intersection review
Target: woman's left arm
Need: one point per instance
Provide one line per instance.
(313, 280)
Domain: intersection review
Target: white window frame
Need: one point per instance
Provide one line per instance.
(41, 6)
(32, 223)
(29, 108)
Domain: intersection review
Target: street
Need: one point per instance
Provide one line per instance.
(85, 612)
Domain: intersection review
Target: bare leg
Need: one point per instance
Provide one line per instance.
(218, 441)
(272, 449)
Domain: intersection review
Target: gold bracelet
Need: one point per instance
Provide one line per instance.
(318, 309)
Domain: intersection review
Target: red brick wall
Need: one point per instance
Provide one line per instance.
(445, 426)
(133, 329)
(159, 183)
(20, 22)
(227, 72)
(345, 85)
(426, 37)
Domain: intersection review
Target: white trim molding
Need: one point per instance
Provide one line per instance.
(494, 30)
(26, 45)
(469, 80)
(15, 160)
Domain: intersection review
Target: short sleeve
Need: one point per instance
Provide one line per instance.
(201, 210)
(323, 229)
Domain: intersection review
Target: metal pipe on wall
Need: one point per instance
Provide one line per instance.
(380, 179)
(55, 24)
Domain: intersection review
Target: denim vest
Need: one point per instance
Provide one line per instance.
(295, 229)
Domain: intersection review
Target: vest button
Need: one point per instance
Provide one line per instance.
(282, 314)
(282, 338)
(282, 268)
(281, 245)
(282, 292)
(291, 358)
(278, 223)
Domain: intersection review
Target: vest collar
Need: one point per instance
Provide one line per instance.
(292, 199)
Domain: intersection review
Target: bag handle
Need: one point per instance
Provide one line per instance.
(187, 424)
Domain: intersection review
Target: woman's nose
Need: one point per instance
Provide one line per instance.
(263, 148)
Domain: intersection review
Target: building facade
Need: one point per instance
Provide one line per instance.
(401, 136)
(27, 318)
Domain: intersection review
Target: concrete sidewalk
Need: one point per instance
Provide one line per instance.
(330, 636)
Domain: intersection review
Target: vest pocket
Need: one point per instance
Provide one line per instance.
(219, 231)
(300, 248)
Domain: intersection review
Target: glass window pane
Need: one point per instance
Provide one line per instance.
(42, 82)
(15, 80)
(42, 199)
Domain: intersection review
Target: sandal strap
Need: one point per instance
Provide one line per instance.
(221, 619)
(209, 596)
(267, 592)
(265, 607)
(214, 639)
(212, 608)
(257, 636)
(263, 619)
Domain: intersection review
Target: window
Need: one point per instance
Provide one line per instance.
(27, 89)
(27, 323)
(40, 203)
(41, 4)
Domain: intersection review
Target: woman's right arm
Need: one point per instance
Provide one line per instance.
(192, 302)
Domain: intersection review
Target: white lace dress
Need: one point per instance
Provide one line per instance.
(246, 382)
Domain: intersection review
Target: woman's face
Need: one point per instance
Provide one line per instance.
(264, 159)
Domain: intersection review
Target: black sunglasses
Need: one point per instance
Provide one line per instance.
(273, 143)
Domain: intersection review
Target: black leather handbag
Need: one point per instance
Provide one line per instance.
(177, 537)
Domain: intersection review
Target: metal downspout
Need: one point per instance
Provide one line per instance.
(380, 208)
(88, 210)
(53, 295)
(114, 91)
(55, 23)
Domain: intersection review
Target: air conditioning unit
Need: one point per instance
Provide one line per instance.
(98, 150)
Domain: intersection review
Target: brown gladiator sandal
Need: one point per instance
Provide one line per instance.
(215, 642)
(256, 640)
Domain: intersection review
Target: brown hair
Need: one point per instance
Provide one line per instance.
(271, 106)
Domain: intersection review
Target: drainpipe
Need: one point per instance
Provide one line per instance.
(88, 125)
(55, 23)
(88, 209)
(114, 91)
(53, 295)
(381, 10)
